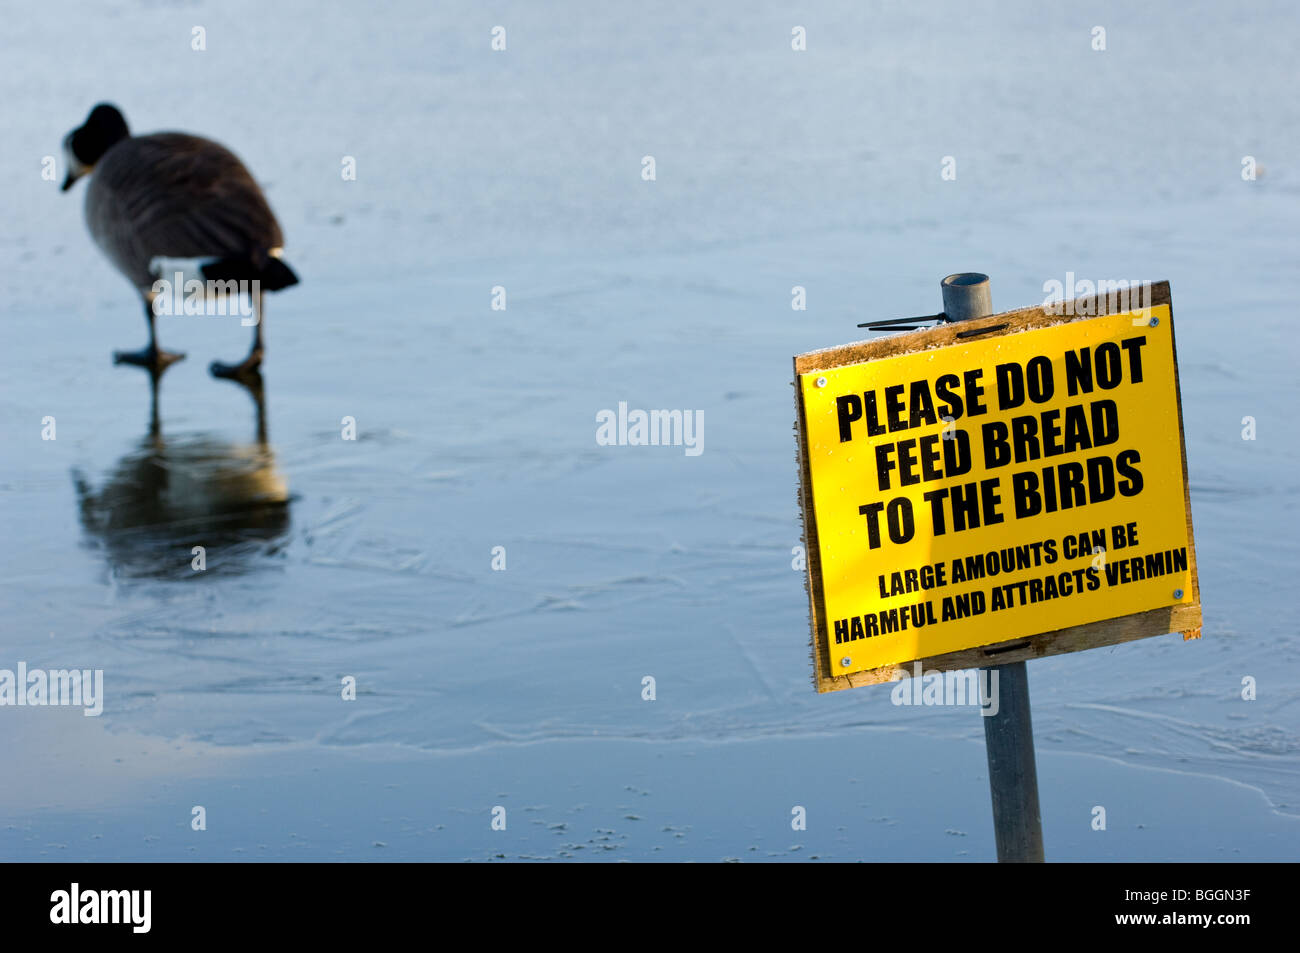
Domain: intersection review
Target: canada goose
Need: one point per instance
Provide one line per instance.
(167, 201)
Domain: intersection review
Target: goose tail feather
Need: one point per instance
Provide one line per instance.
(273, 273)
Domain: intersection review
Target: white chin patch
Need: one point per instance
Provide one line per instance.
(76, 167)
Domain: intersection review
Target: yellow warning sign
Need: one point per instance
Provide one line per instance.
(994, 487)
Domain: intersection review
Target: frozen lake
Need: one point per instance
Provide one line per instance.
(475, 428)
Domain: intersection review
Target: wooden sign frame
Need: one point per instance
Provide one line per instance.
(1184, 617)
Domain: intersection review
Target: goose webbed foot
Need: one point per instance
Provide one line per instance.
(151, 358)
(246, 371)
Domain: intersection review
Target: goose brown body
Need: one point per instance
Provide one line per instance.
(179, 196)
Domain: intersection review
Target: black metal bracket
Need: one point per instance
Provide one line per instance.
(909, 324)
(904, 324)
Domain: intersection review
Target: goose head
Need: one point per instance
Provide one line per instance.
(86, 144)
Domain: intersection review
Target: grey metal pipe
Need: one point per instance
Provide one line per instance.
(1008, 735)
(966, 295)
(1013, 770)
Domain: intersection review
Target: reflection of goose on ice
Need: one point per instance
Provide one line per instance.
(167, 496)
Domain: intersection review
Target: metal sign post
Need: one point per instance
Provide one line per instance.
(1008, 735)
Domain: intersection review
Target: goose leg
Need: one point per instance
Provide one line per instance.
(149, 357)
(247, 369)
